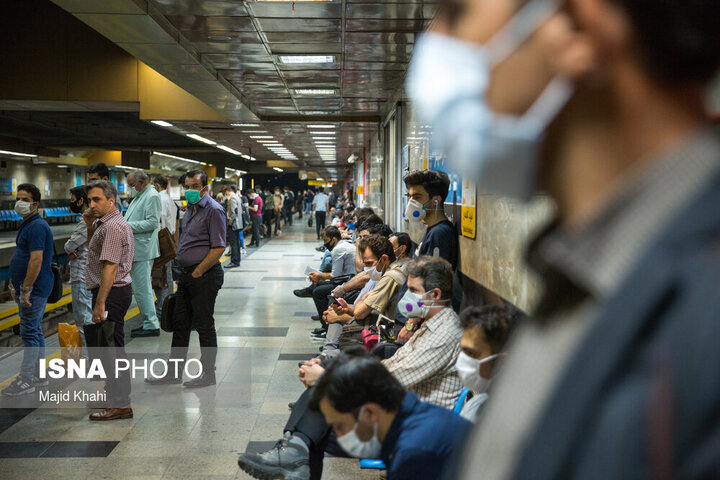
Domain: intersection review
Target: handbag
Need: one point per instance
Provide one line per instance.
(168, 313)
(57, 289)
(369, 339)
(310, 222)
(168, 248)
(158, 277)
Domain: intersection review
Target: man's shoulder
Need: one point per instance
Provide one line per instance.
(431, 429)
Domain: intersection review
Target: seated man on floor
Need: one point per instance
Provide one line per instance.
(374, 417)
(325, 267)
(424, 365)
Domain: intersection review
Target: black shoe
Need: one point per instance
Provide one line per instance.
(253, 246)
(204, 380)
(145, 333)
(232, 265)
(317, 331)
(323, 334)
(303, 292)
(166, 380)
(285, 460)
(316, 318)
(291, 405)
(320, 249)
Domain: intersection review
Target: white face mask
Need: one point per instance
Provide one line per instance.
(499, 151)
(412, 305)
(23, 208)
(469, 371)
(356, 447)
(374, 273)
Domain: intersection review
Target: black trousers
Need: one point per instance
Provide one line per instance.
(288, 215)
(194, 308)
(268, 216)
(256, 220)
(320, 297)
(108, 340)
(311, 427)
(234, 241)
(320, 222)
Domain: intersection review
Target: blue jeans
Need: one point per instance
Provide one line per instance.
(241, 235)
(81, 304)
(32, 334)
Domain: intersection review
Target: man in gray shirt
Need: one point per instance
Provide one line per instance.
(343, 263)
(76, 249)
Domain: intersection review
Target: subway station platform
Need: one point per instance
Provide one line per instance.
(255, 309)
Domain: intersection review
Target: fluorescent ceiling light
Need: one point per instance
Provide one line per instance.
(178, 158)
(244, 124)
(295, 59)
(18, 154)
(314, 112)
(320, 178)
(322, 133)
(314, 91)
(323, 138)
(62, 166)
(321, 126)
(277, 169)
(255, 132)
(229, 150)
(201, 139)
(256, 137)
(161, 123)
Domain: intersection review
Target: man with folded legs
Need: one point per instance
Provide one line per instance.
(202, 243)
(109, 260)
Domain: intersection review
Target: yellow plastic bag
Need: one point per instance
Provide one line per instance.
(70, 341)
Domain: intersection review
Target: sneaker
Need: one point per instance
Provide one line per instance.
(40, 382)
(320, 249)
(285, 460)
(19, 386)
(243, 252)
(319, 335)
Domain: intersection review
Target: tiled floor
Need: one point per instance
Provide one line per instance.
(255, 309)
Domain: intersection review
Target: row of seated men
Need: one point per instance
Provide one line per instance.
(396, 356)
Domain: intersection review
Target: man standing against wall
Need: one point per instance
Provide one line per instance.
(110, 258)
(320, 207)
(168, 219)
(202, 243)
(256, 208)
(31, 281)
(143, 216)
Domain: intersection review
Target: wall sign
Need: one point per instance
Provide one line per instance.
(468, 222)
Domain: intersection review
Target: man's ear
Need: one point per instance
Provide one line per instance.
(372, 412)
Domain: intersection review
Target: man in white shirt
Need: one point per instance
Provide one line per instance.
(320, 207)
(169, 220)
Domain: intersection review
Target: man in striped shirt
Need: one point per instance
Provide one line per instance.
(110, 255)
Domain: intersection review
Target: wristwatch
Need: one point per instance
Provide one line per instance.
(24, 289)
(409, 326)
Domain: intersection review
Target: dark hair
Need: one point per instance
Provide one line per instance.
(101, 169)
(321, 189)
(381, 229)
(80, 193)
(378, 245)
(436, 272)
(436, 183)
(368, 222)
(331, 231)
(233, 188)
(106, 186)
(249, 191)
(161, 180)
(497, 323)
(678, 40)
(31, 189)
(195, 173)
(362, 213)
(355, 378)
(403, 239)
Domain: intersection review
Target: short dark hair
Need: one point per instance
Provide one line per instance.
(321, 189)
(80, 193)
(436, 272)
(232, 187)
(331, 231)
(161, 180)
(355, 378)
(378, 245)
(363, 212)
(368, 222)
(678, 40)
(497, 323)
(31, 189)
(106, 186)
(249, 191)
(436, 183)
(100, 168)
(403, 239)
(195, 173)
(381, 229)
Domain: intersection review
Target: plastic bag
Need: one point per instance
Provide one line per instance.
(70, 341)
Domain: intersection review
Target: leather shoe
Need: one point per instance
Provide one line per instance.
(316, 318)
(303, 292)
(320, 249)
(204, 380)
(166, 380)
(232, 265)
(145, 333)
(112, 414)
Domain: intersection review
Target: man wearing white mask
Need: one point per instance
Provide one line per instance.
(373, 417)
(601, 105)
(485, 332)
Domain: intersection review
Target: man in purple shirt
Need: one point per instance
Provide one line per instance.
(256, 208)
(202, 243)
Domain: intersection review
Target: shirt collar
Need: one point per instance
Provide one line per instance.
(409, 404)
(149, 185)
(31, 218)
(440, 318)
(112, 213)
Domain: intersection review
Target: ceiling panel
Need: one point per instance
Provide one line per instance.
(384, 10)
(200, 8)
(299, 24)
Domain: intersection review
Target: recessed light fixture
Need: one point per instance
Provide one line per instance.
(201, 139)
(254, 132)
(161, 123)
(256, 137)
(62, 166)
(295, 59)
(277, 169)
(314, 91)
(179, 158)
(322, 133)
(229, 150)
(314, 112)
(323, 138)
(245, 125)
(18, 154)
(321, 126)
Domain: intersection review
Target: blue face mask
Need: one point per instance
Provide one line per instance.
(498, 151)
(192, 196)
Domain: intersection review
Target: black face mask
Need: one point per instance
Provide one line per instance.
(75, 208)
(329, 245)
